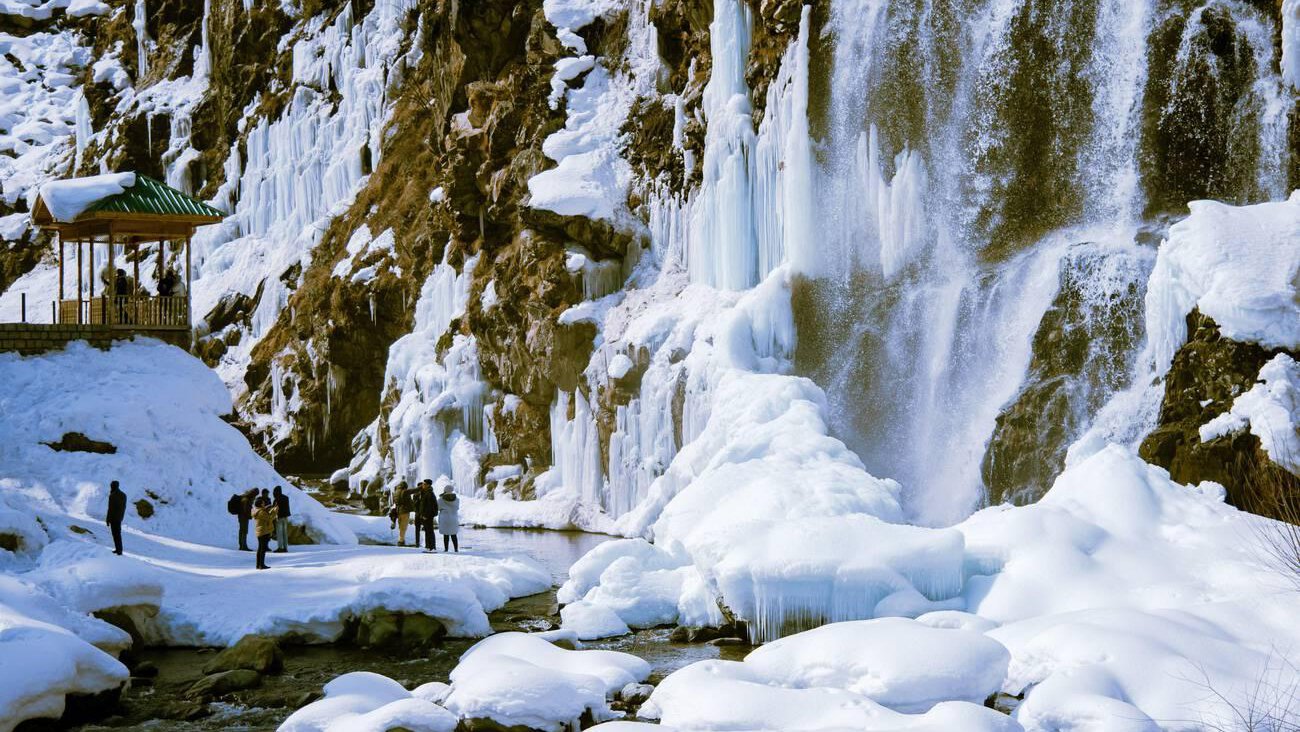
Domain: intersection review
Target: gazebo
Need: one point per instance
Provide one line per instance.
(123, 210)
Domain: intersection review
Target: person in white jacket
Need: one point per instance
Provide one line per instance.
(449, 516)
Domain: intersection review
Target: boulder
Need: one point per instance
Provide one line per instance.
(635, 694)
(220, 684)
(252, 652)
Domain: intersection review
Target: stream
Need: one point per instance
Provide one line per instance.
(163, 705)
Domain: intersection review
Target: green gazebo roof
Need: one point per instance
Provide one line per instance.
(151, 197)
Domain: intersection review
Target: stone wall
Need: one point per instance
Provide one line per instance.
(33, 338)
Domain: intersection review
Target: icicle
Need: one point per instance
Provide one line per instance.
(84, 130)
(138, 22)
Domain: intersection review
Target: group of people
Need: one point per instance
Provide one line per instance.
(268, 512)
(427, 508)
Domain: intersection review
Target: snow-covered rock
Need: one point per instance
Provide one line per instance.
(1270, 410)
(362, 701)
(522, 679)
(1239, 265)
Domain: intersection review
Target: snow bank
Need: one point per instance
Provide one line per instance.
(67, 199)
(521, 679)
(310, 595)
(367, 702)
(899, 663)
(49, 651)
(729, 695)
(161, 411)
(1271, 410)
(1239, 265)
(1124, 597)
(1120, 601)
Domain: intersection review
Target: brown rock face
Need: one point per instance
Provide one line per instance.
(1208, 372)
(1083, 353)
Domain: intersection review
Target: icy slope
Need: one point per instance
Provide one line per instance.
(161, 411)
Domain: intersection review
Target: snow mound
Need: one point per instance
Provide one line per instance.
(1124, 597)
(1271, 410)
(729, 695)
(590, 621)
(367, 702)
(67, 199)
(521, 679)
(1240, 265)
(49, 651)
(899, 663)
(161, 410)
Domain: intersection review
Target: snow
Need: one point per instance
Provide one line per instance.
(522, 679)
(1270, 409)
(49, 652)
(368, 702)
(181, 579)
(66, 199)
(899, 663)
(1239, 265)
(362, 246)
(589, 621)
(730, 695)
(152, 402)
(557, 511)
(619, 366)
(576, 14)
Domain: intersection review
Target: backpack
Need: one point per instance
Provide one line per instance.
(234, 504)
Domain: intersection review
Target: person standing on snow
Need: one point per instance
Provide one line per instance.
(402, 505)
(281, 500)
(449, 517)
(243, 510)
(426, 511)
(264, 514)
(116, 512)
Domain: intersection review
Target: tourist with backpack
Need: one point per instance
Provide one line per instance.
(241, 507)
(401, 512)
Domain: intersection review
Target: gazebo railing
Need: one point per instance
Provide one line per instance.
(135, 311)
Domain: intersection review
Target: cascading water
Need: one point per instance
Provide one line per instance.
(965, 151)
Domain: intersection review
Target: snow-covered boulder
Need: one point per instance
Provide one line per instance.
(524, 680)
(362, 701)
(48, 651)
(1239, 265)
(899, 663)
(729, 695)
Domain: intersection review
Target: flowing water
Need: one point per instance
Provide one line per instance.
(965, 146)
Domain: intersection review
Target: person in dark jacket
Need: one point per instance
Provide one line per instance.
(116, 512)
(426, 512)
(281, 501)
(264, 521)
(245, 515)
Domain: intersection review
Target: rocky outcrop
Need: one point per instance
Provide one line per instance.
(1207, 374)
(1083, 352)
